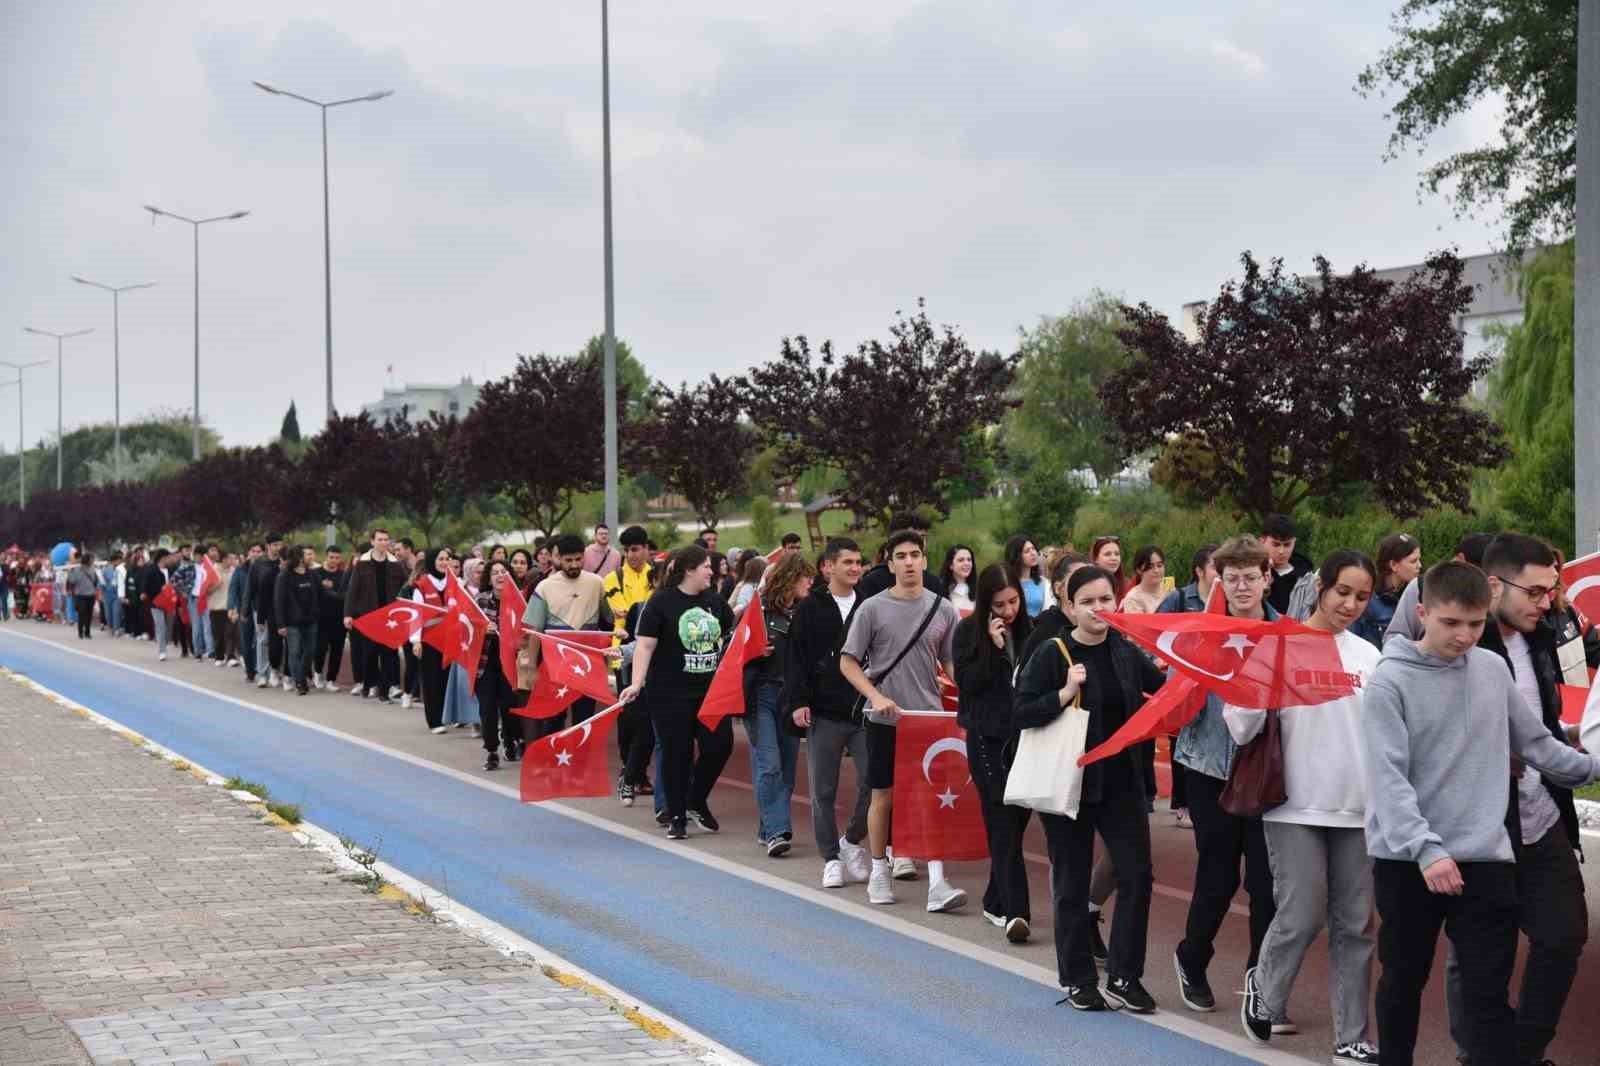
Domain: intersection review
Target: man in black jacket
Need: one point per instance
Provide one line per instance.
(821, 702)
(333, 580)
(375, 579)
(151, 581)
(259, 590)
(1542, 820)
(294, 611)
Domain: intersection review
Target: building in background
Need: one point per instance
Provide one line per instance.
(417, 403)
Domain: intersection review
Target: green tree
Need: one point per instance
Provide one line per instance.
(631, 376)
(763, 522)
(1065, 359)
(1451, 55)
(1046, 503)
(290, 431)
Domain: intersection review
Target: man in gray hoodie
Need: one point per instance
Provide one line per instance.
(1439, 760)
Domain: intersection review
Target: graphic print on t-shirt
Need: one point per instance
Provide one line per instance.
(699, 632)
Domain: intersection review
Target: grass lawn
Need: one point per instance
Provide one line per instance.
(969, 523)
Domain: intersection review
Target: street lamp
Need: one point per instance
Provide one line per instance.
(22, 463)
(155, 213)
(116, 361)
(327, 259)
(60, 437)
(609, 376)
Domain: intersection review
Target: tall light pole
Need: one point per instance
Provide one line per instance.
(1586, 313)
(611, 324)
(22, 453)
(327, 257)
(60, 437)
(196, 223)
(116, 292)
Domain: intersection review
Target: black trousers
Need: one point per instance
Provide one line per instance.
(1124, 824)
(434, 677)
(329, 655)
(687, 778)
(638, 744)
(382, 669)
(1180, 779)
(412, 668)
(1481, 924)
(1222, 841)
(495, 699)
(85, 611)
(1007, 892)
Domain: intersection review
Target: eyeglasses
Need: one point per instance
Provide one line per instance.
(1243, 581)
(1536, 593)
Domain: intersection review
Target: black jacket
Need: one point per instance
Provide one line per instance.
(151, 582)
(1547, 668)
(983, 676)
(330, 602)
(1050, 624)
(1038, 701)
(815, 637)
(1283, 584)
(294, 599)
(261, 587)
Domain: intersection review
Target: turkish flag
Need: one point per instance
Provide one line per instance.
(392, 624)
(548, 699)
(725, 696)
(512, 606)
(570, 763)
(564, 663)
(209, 578)
(1573, 698)
(774, 555)
(459, 635)
(937, 812)
(949, 694)
(1581, 578)
(40, 602)
(1245, 661)
(166, 599)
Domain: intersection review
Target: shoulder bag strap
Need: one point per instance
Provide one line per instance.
(921, 629)
(1077, 697)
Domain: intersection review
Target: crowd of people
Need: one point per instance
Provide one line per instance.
(1437, 795)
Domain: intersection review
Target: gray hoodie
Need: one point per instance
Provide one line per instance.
(1439, 755)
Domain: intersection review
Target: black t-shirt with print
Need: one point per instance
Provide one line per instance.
(689, 632)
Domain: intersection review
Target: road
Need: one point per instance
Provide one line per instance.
(746, 949)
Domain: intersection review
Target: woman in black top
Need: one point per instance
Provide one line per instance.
(496, 695)
(1111, 675)
(987, 646)
(681, 632)
(774, 744)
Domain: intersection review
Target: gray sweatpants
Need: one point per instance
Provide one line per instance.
(1320, 876)
(826, 742)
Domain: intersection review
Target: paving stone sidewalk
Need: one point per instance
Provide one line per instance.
(147, 917)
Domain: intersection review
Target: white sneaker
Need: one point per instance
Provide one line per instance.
(943, 897)
(438, 729)
(994, 920)
(355, 690)
(857, 862)
(262, 680)
(316, 679)
(904, 869)
(162, 657)
(880, 888)
(394, 692)
(833, 874)
(284, 681)
(405, 700)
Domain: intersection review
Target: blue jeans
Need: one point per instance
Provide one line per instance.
(302, 644)
(113, 607)
(200, 628)
(247, 643)
(773, 753)
(163, 623)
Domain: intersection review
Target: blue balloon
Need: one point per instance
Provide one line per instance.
(60, 553)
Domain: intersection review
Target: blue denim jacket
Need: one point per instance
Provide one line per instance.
(1205, 745)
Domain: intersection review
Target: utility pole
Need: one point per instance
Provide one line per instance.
(1586, 294)
(611, 318)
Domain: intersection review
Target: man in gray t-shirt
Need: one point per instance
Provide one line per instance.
(883, 626)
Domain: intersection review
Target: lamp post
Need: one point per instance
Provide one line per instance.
(60, 436)
(116, 361)
(327, 257)
(610, 374)
(22, 462)
(196, 223)
(1586, 316)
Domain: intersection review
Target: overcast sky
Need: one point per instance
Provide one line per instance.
(779, 169)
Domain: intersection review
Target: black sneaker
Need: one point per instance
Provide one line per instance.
(513, 752)
(1083, 997)
(663, 816)
(1363, 1052)
(491, 761)
(705, 819)
(1097, 943)
(625, 794)
(778, 844)
(1128, 994)
(1196, 994)
(1252, 1012)
(643, 787)
(678, 830)
(383, 697)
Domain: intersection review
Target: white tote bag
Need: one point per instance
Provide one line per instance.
(1045, 775)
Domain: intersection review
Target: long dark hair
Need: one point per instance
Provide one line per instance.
(1345, 559)
(684, 560)
(1014, 548)
(995, 579)
(947, 575)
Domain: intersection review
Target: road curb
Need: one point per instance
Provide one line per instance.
(419, 897)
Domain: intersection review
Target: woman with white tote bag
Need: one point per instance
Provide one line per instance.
(1093, 668)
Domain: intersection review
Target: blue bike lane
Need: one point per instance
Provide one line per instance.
(772, 976)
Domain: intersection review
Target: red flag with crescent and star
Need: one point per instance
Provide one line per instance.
(1581, 579)
(166, 599)
(550, 698)
(725, 695)
(573, 665)
(512, 606)
(571, 763)
(209, 578)
(459, 636)
(392, 624)
(937, 812)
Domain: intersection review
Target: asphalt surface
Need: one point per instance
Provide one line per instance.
(747, 949)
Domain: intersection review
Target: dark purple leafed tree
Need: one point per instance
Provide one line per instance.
(695, 442)
(1298, 387)
(896, 417)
